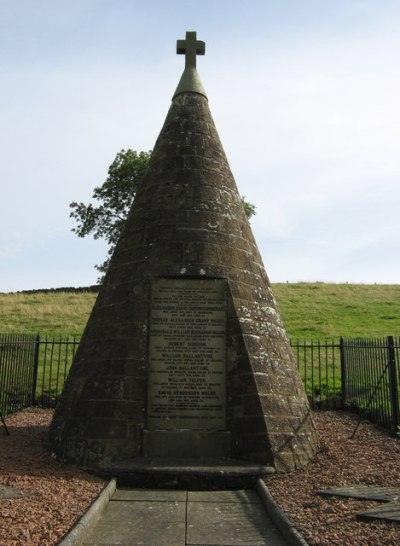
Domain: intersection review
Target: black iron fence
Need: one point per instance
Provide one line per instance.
(371, 378)
(319, 365)
(362, 375)
(18, 372)
(33, 370)
(55, 357)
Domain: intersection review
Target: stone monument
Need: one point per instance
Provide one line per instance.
(185, 354)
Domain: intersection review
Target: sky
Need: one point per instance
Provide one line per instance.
(305, 96)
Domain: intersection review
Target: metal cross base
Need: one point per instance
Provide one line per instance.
(390, 511)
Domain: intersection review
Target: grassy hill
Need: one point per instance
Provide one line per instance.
(319, 310)
(46, 313)
(310, 311)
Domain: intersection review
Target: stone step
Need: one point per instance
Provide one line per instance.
(196, 474)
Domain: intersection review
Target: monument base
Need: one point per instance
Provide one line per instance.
(193, 474)
(186, 444)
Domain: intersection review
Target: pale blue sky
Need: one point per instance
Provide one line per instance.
(305, 96)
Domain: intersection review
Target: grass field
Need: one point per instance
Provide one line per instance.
(47, 313)
(319, 311)
(312, 311)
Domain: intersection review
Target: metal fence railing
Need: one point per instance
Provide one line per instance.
(371, 379)
(51, 358)
(319, 365)
(33, 370)
(361, 375)
(18, 371)
(55, 357)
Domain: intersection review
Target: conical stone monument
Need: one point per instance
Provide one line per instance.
(185, 354)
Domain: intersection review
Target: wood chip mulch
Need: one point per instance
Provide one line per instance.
(55, 495)
(58, 495)
(372, 457)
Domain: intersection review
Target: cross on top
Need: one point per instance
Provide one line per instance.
(190, 48)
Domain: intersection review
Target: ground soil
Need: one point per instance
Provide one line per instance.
(56, 496)
(371, 457)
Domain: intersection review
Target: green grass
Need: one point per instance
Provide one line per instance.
(47, 313)
(315, 311)
(310, 311)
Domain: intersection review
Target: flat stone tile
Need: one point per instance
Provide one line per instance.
(146, 523)
(149, 494)
(245, 496)
(389, 512)
(360, 491)
(8, 492)
(230, 524)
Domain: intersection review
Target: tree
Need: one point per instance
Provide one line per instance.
(249, 208)
(116, 196)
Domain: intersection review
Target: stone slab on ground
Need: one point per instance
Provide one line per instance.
(390, 511)
(369, 492)
(230, 523)
(242, 496)
(122, 494)
(8, 492)
(185, 518)
(145, 522)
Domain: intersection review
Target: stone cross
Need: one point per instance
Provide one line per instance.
(190, 47)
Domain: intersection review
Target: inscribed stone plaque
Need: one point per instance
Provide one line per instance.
(186, 385)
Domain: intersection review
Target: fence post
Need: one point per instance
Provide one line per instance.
(35, 369)
(343, 371)
(394, 391)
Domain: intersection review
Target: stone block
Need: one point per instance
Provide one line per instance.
(250, 424)
(106, 428)
(188, 444)
(247, 444)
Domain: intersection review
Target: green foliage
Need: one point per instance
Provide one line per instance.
(249, 208)
(116, 196)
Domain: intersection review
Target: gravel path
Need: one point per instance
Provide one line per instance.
(57, 495)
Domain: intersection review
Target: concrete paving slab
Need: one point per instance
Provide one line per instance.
(148, 523)
(185, 518)
(229, 524)
(246, 496)
(149, 494)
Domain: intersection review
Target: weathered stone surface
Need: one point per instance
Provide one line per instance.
(389, 511)
(187, 221)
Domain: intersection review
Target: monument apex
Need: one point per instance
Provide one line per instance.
(190, 81)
